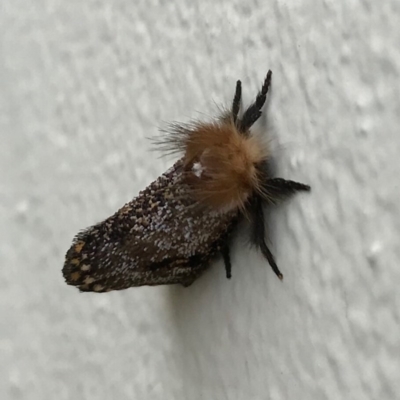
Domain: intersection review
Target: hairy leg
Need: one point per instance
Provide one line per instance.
(258, 234)
(278, 189)
(227, 260)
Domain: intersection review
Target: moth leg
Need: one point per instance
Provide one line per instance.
(187, 283)
(270, 258)
(227, 260)
(258, 234)
(190, 278)
(252, 114)
(237, 101)
(279, 189)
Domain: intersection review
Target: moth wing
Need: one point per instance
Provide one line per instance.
(160, 237)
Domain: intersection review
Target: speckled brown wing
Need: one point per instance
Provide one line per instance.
(160, 237)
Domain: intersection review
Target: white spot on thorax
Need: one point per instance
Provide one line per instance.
(197, 169)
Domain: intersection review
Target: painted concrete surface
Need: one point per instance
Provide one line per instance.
(84, 84)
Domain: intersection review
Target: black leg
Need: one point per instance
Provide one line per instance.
(275, 189)
(227, 260)
(252, 114)
(236, 101)
(258, 234)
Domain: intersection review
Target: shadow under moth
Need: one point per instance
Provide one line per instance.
(174, 228)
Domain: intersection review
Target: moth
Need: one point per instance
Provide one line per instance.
(175, 227)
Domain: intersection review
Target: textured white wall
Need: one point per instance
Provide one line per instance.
(83, 83)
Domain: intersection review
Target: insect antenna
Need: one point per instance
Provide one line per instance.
(237, 101)
(252, 114)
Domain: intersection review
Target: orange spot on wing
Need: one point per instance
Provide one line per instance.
(79, 246)
(75, 276)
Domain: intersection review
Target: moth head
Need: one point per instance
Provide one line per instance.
(224, 161)
(222, 165)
